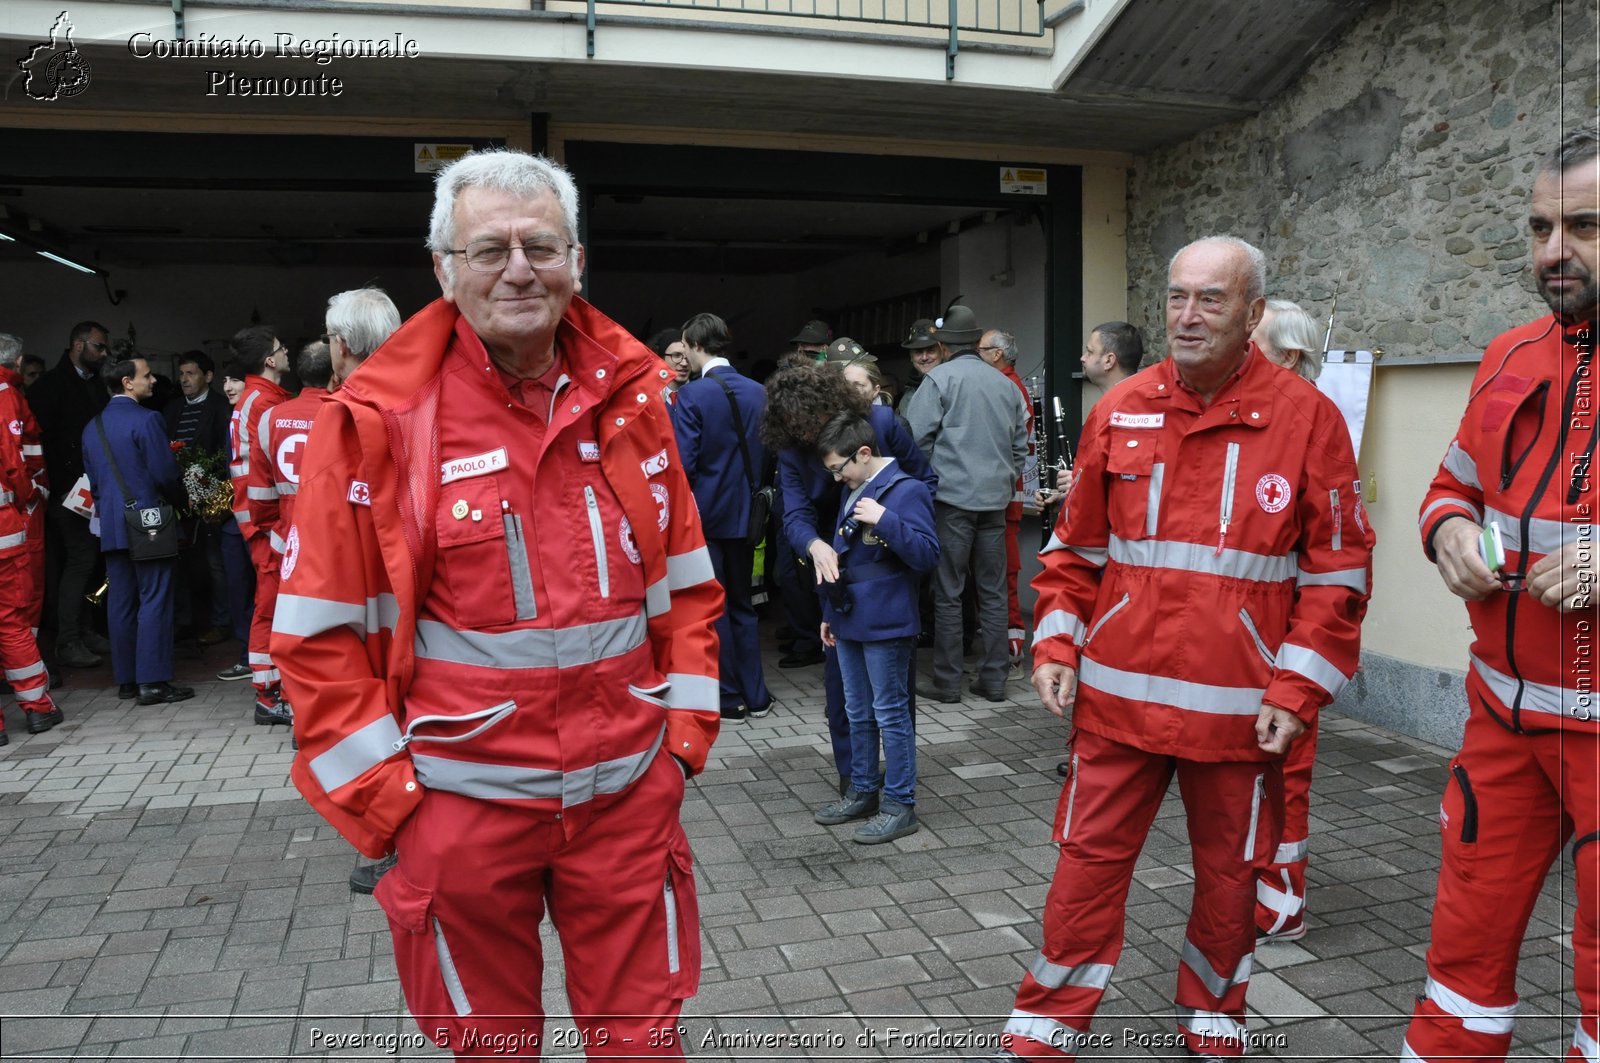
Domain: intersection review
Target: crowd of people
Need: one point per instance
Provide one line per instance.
(501, 675)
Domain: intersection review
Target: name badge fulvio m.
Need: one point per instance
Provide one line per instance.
(474, 465)
(1137, 420)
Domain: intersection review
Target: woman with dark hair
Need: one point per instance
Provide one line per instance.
(800, 401)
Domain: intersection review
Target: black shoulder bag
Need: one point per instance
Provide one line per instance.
(760, 497)
(152, 530)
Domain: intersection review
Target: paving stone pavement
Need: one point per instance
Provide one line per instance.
(166, 895)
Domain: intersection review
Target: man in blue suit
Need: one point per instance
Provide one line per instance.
(717, 420)
(139, 603)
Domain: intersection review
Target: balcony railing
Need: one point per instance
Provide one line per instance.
(1006, 18)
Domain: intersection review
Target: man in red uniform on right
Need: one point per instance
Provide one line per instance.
(1527, 777)
(1201, 601)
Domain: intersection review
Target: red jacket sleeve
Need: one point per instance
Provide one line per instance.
(334, 626)
(1322, 647)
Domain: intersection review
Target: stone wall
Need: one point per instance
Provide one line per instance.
(1394, 171)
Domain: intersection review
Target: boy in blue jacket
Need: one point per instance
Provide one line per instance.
(884, 540)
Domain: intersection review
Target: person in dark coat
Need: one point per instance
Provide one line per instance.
(140, 599)
(198, 418)
(64, 400)
(717, 419)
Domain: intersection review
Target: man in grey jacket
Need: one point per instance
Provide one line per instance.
(971, 422)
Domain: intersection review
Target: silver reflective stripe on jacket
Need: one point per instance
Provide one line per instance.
(304, 616)
(1460, 465)
(1544, 536)
(1353, 578)
(261, 494)
(1083, 976)
(8, 541)
(1164, 690)
(597, 532)
(521, 574)
(1193, 557)
(514, 782)
(689, 569)
(1476, 511)
(669, 896)
(691, 691)
(1152, 507)
(564, 647)
(1536, 697)
(1313, 665)
(356, 753)
(1057, 622)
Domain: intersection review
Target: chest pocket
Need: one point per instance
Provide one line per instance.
(474, 555)
(1133, 490)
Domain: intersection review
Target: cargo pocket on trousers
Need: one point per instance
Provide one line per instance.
(1069, 793)
(682, 911)
(421, 950)
(1458, 819)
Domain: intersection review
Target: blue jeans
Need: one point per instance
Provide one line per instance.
(878, 704)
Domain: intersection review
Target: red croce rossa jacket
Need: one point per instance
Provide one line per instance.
(1520, 459)
(361, 557)
(1207, 560)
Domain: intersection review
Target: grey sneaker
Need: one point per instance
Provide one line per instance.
(893, 820)
(852, 805)
(76, 655)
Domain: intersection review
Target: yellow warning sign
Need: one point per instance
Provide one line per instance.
(1024, 181)
(431, 158)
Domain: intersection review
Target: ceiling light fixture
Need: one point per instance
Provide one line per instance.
(67, 262)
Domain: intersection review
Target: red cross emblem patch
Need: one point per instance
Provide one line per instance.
(1272, 493)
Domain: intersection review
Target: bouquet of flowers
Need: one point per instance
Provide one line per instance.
(205, 480)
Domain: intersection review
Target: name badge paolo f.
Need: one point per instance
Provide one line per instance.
(475, 465)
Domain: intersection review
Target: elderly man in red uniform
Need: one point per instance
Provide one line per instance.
(1527, 778)
(1201, 600)
(496, 627)
(999, 349)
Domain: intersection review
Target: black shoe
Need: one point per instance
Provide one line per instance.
(932, 693)
(163, 693)
(95, 642)
(734, 713)
(235, 672)
(1064, 768)
(758, 711)
(77, 655)
(5, 739)
(801, 659)
(274, 712)
(127, 691)
(40, 722)
(364, 879)
(211, 636)
(988, 695)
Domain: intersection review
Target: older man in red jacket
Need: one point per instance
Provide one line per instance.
(1201, 600)
(496, 627)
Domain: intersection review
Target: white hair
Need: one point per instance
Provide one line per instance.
(1255, 282)
(1292, 329)
(10, 350)
(499, 170)
(363, 318)
(1006, 344)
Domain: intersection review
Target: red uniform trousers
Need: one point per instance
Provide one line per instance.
(1510, 804)
(268, 563)
(19, 648)
(1281, 886)
(1234, 812)
(1016, 634)
(473, 883)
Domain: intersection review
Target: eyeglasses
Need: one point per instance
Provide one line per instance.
(838, 470)
(280, 349)
(983, 348)
(676, 356)
(488, 256)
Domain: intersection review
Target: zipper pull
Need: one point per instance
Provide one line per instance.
(1222, 537)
